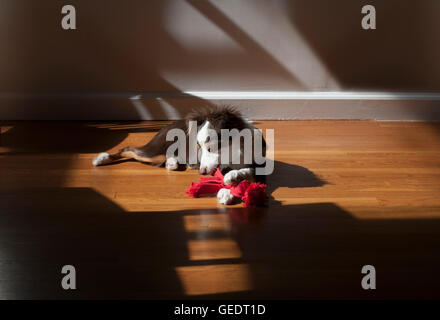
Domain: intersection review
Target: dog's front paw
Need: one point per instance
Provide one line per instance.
(224, 196)
(232, 177)
(102, 158)
(172, 163)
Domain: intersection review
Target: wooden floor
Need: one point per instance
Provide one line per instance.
(344, 194)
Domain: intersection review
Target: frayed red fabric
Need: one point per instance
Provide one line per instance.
(206, 187)
(253, 194)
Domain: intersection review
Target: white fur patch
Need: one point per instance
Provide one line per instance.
(102, 158)
(231, 177)
(235, 176)
(209, 161)
(172, 163)
(224, 196)
(203, 133)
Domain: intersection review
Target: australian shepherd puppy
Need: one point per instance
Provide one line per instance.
(209, 144)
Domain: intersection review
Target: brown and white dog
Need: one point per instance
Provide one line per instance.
(209, 148)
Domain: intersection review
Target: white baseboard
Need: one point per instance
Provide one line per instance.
(313, 95)
(257, 105)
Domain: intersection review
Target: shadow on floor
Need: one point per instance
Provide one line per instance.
(287, 175)
(294, 251)
(69, 136)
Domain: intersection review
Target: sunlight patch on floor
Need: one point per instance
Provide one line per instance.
(211, 249)
(215, 279)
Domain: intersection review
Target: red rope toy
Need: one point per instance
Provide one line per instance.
(253, 194)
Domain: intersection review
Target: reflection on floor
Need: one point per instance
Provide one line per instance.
(344, 194)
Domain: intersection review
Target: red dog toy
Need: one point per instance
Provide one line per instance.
(253, 194)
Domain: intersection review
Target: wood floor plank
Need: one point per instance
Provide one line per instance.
(343, 194)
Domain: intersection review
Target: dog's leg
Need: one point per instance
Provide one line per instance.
(224, 196)
(127, 153)
(235, 176)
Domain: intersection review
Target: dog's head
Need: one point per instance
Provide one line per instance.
(210, 122)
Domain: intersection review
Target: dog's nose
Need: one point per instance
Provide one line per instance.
(202, 171)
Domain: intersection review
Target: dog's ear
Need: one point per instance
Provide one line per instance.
(199, 115)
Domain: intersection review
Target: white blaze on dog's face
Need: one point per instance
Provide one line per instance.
(207, 142)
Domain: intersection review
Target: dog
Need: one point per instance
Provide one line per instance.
(211, 146)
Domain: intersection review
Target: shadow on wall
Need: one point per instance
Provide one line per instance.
(103, 57)
(400, 55)
(70, 70)
(174, 46)
(296, 251)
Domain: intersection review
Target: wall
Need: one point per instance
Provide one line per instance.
(156, 59)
